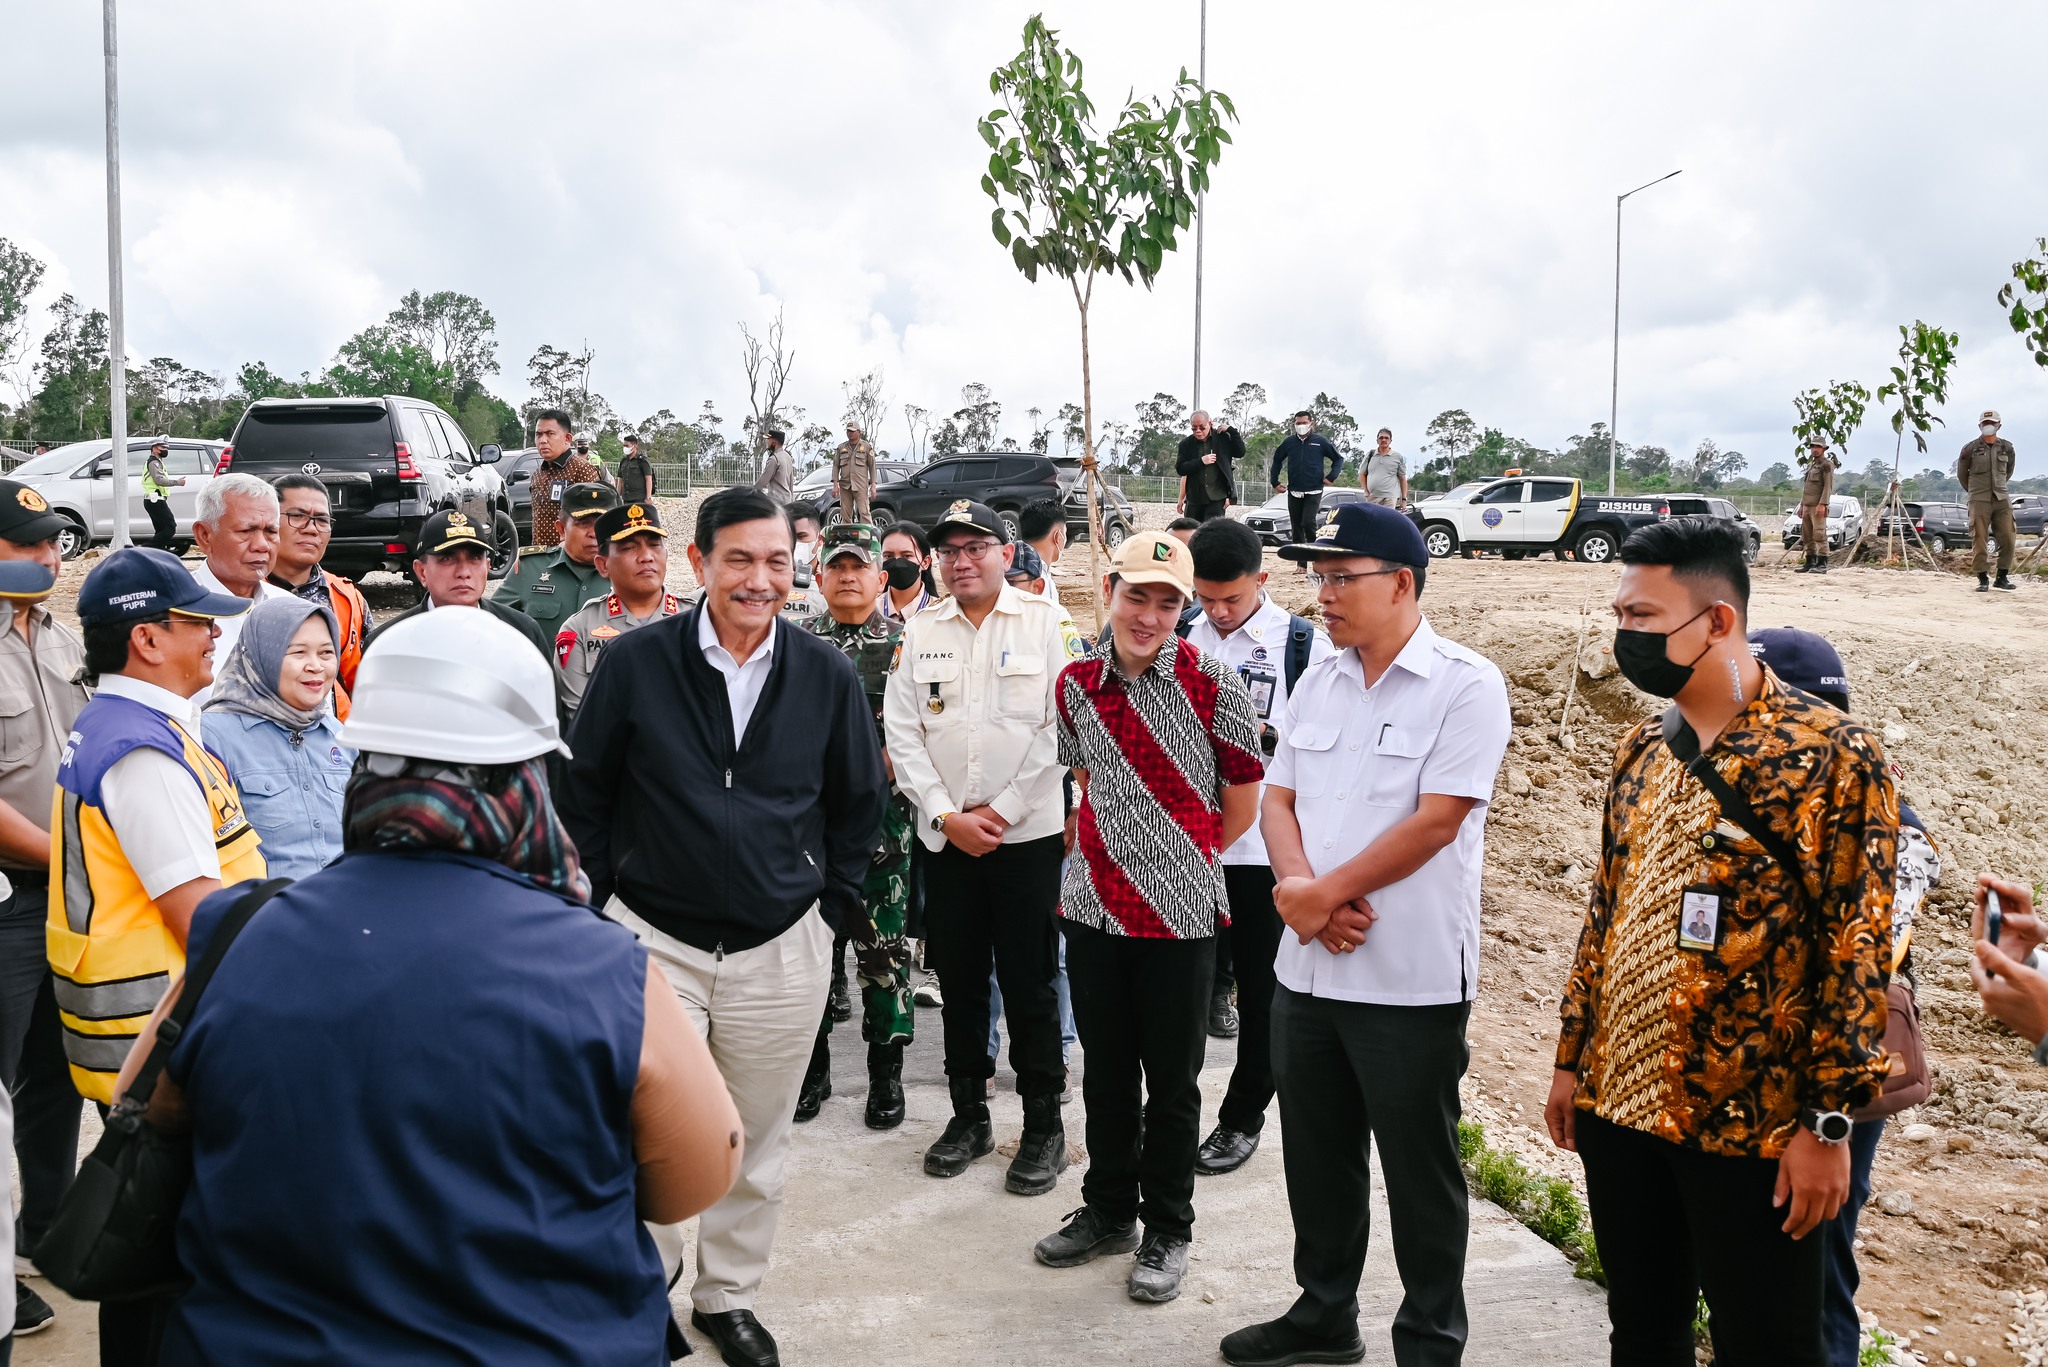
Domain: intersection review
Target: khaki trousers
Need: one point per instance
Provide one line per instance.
(1996, 520)
(758, 1010)
(1813, 527)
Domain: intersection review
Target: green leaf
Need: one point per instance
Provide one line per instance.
(1020, 252)
(1002, 230)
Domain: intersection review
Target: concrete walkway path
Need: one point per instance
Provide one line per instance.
(878, 1264)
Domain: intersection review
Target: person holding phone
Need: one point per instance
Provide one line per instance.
(2009, 969)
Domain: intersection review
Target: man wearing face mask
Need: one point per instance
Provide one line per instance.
(1207, 461)
(804, 601)
(1302, 465)
(1983, 469)
(1726, 1008)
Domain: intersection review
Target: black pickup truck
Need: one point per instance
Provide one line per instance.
(1529, 514)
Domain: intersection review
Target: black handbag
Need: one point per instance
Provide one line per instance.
(115, 1235)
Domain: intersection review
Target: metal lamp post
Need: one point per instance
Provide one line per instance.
(1614, 389)
(117, 356)
(1202, 75)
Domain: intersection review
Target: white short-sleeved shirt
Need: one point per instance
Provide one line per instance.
(743, 682)
(157, 809)
(231, 627)
(1257, 650)
(1358, 760)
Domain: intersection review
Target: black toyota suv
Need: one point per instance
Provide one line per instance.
(1003, 480)
(389, 464)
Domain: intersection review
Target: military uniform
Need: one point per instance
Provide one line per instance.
(853, 470)
(1814, 493)
(1984, 469)
(548, 586)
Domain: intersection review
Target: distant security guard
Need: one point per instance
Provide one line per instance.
(850, 573)
(632, 553)
(1983, 470)
(551, 585)
(1815, 492)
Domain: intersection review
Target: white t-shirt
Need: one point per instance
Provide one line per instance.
(1257, 650)
(230, 627)
(157, 809)
(743, 682)
(1358, 760)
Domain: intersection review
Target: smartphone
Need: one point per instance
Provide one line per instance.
(1994, 917)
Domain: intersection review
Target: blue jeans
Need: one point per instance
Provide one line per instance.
(1059, 985)
(1840, 1333)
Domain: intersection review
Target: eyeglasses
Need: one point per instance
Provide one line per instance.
(1340, 582)
(302, 518)
(973, 550)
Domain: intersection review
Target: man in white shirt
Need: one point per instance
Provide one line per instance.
(1374, 819)
(970, 718)
(1270, 648)
(235, 526)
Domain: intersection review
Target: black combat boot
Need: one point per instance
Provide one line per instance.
(841, 1000)
(1805, 565)
(1042, 1152)
(817, 1082)
(885, 1086)
(1820, 563)
(967, 1135)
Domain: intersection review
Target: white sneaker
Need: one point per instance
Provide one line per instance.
(927, 993)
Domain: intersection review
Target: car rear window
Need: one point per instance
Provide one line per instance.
(300, 434)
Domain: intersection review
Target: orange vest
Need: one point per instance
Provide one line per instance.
(350, 611)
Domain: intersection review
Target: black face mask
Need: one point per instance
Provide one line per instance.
(902, 571)
(1643, 662)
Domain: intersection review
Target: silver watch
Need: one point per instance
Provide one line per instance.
(1829, 1127)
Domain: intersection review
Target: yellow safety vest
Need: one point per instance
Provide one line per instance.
(112, 955)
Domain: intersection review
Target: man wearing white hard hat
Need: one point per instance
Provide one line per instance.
(1984, 469)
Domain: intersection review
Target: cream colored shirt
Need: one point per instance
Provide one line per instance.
(970, 713)
(38, 703)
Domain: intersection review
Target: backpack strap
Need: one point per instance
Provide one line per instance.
(1301, 636)
(1685, 745)
(172, 1026)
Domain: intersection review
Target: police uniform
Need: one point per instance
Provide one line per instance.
(1814, 492)
(548, 586)
(1984, 469)
(853, 470)
(603, 620)
(141, 807)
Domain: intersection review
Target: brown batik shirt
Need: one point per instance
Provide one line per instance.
(1719, 1049)
(548, 479)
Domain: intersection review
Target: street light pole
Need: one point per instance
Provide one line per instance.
(117, 356)
(1614, 381)
(1202, 75)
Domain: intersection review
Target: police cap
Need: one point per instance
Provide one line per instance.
(628, 519)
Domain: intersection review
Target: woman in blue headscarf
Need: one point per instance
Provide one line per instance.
(270, 718)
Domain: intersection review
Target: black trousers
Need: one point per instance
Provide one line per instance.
(1203, 509)
(1001, 906)
(1301, 514)
(163, 520)
(1350, 1074)
(47, 1106)
(1141, 1009)
(1674, 1224)
(1254, 942)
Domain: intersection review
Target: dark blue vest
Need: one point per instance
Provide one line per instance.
(411, 1084)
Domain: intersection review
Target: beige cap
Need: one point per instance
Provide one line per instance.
(1155, 558)
(1990, 415)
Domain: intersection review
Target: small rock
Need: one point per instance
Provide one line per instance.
(1598, 663)
(1897, 733)
(1518, 780)
(1522, 716)
(1960, 1143)
(1918, 1134)
(1530, 994)
(1896, 1203)
(1209, 1298)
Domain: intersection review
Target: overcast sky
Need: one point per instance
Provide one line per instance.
(1418, 212)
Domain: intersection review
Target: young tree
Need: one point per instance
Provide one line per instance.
(20, 273)
(1079, 202)
(1926, 356)
(2026, 294)
(767, 366)
(1830, 415)
(865, 403)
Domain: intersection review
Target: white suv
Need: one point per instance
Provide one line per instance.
(78, 483)
(1845, 519)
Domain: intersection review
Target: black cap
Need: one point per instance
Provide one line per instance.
(448, 529)
(583, 500)
(1363, 529)
(25, 516)
(1804, 660)
(628, 519)
(975, 517)
(142, 581)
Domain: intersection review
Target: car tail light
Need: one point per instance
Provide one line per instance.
(396, 548)
(1663, 511)
(227, 454)
(406, 469)
(1919, 526)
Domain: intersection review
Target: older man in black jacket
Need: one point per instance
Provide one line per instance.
(1302, 465)
(1207, 462)
(726, 796)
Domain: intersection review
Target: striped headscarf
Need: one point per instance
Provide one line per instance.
(497, 812)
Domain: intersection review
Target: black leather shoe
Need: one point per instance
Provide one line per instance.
(741, 1340)
(1042, 1152)
(1225, 1150)
(842, 1000)
(967, 1135)
(1222, 1016)
(817, 1083)
(1087, 1235)
(885, 1086)
(1278, 1343)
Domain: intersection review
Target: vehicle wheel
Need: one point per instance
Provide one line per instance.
(72, 541)
(1011, 521)
(1596, 547)
(1439, 540)
(882, 516)
(1511, 555)
(504, 545)
(1115, 533)
(1756, 544)
(1559, 553)
(1936, 544)
(829, 516)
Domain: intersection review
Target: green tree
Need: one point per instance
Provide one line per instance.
(1920, 379)
(455, 329)
(74, 397)
(977, 419)
(1830, 415)
(1777, 475)
(1242, 402)
(1646, 462)
(1451, 434)
(1162, 421)
(2026, 295)
(1078, 202)
(561, 379)
(20, 273)
(382, 360)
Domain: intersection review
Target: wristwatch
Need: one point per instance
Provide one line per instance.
(1829, 1127)
(939, 822)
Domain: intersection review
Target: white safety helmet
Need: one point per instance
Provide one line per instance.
(454, 684)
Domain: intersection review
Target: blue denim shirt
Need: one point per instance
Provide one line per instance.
(290, 789)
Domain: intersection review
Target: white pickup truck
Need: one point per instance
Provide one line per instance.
(1529, 514)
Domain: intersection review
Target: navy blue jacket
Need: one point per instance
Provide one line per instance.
(717, 846)
(1305, 460)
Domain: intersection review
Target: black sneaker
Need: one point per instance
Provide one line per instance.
(1277, 1343)
(1087, 1235)
(32, 1314)
(1222, 1016)
(1162, 1262)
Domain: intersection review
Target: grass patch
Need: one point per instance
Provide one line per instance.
(1548, 1206)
